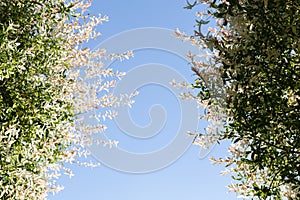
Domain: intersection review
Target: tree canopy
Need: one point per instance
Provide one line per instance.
(255, 47)
(48, 80)
(249, 85)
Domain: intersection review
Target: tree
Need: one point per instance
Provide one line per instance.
(255, 48)
(48, 80)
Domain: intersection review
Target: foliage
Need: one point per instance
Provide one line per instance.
(255, 48)
(47, 82)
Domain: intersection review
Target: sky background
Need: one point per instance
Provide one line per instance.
(190, 177)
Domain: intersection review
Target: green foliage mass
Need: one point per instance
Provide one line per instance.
(32, 113)
(258, 47)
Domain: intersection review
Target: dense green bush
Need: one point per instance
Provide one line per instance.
(32, 113)
(47, 80)
(256, 48)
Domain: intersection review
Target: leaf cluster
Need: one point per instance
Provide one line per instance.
(258, 47)
(32, 114)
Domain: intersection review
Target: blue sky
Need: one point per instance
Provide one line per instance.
(189, 177)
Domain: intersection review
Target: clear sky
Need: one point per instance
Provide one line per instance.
(190, 177)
